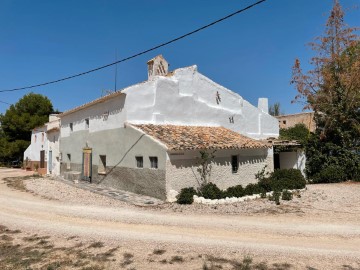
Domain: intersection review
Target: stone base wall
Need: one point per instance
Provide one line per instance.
(182, 173)
(144, 181)
(150, 182)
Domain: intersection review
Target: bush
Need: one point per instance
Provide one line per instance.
(236, 191)
(285, 179)
(277, 197)
(286, 195)
(186, 196)
(331, 174)
(251, 189)
(211, 191)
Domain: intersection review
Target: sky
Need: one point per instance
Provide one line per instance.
(251, 53)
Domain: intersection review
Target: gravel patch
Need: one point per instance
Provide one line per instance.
(322, 200)
(55, 190)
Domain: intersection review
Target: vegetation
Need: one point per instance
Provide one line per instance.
(186, 196)
(205, 166)
(283, 179)
(331, 174)
(274, 109)
(299, 132)
(31, 111)
(286, 195)
(211, 191)
(332, 90)
(276, 181)
(236, 191)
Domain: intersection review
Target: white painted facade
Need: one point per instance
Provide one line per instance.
(53, 149)
(293, 160)
(184, 97)
(45, 138)
(38, 143)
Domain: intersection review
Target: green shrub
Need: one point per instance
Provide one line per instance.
(331, 174)
(211, 191)
(265, 184)
(277, 197)
(251, 189)
(286, 179)
(186, 196)
(286, 195)
(236, 191)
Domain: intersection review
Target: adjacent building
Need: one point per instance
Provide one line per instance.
(290, 120)
(42, 155)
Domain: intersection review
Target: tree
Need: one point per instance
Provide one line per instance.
(31, 111)
(274, 109)
(205, 166)
(298, 132)
(332, 90)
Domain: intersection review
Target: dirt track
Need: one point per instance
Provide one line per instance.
(322, 241)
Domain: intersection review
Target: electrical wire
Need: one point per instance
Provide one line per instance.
(5, 102)
(138, 54)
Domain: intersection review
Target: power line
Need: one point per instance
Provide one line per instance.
(140, 53)
(5, 102)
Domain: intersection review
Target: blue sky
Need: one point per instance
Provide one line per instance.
(251, 53)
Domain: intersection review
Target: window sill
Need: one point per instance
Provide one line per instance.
(102, 173)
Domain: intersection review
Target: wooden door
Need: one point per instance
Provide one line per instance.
(87, 164)
(42, 159)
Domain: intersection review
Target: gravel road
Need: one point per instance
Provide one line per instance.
(319, 230)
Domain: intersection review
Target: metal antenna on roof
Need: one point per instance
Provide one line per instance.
(116, 58)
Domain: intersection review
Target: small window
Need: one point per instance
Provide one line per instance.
(284, 122)
(234, 164)
(102, 164)
(35, 138)
(153, 162)
(71, 127)
(87, 123)
(42, 137)
(139, 162)
(68, 161)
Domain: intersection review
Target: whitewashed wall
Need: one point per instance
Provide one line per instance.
(181, 168)
(33, 151)
(189, 98)
(102, 116)
(293, 160)
(53, 145)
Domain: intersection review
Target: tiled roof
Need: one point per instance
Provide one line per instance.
(199, 137)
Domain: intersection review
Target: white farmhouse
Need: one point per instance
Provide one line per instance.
(147, 137)
(42, 155)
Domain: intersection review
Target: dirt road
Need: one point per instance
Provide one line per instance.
(303, 241)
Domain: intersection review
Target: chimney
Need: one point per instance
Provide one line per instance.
(157, 66)
(263, 105)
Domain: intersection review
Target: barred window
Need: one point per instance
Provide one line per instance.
(153, 162)
(139, 162)
(234, 164)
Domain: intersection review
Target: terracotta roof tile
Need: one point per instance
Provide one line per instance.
(199, 137)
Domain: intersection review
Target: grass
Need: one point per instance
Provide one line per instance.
(159, 251)
(96, 245)
(35, 252)
(127, 259)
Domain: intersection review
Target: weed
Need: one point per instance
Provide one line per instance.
(6, 238)
(286, 195)
(96, 245)
(177, 259)
(159, 251)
